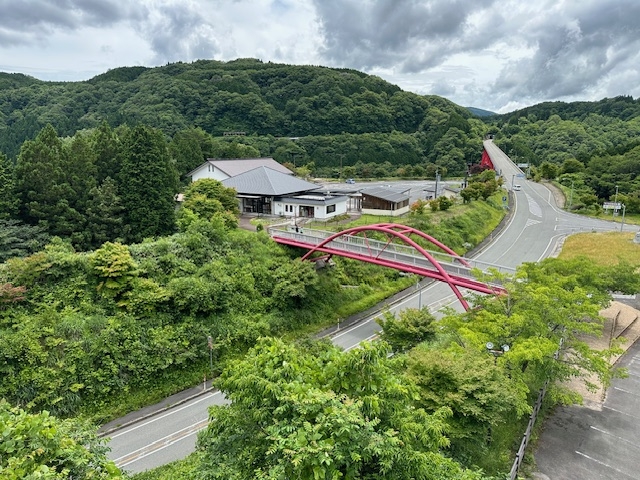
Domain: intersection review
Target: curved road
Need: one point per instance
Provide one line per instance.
(534, 232)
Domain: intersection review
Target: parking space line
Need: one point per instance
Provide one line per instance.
(603, 464)
(620, 411)
(615, 436)
(626, 391)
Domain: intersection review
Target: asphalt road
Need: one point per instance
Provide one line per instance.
(534, 232)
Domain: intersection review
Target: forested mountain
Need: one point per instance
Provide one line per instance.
(593, 148)
(244, 95)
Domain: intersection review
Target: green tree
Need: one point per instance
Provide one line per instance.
(108, 151)
(479, 393)
(207, 196)
(40, 177)
(20, 240)
(410, 328)
(548, 170)
(548, 307)
(115, 269)
(315, 412)
(44, 447)
(189, 149)
(8, 199)
(147, 184)
(105, 214)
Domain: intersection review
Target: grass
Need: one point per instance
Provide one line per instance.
(607, 248)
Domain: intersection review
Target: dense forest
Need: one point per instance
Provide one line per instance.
(592, 148)
(264, 100)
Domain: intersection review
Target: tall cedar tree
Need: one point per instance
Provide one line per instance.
(45, 194)
(147, 185)
(8, 201)
(107, 148)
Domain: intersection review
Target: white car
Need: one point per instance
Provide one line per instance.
(517, 187)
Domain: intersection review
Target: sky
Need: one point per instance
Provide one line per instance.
(495, 55)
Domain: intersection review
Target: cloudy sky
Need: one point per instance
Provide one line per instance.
(497, 55)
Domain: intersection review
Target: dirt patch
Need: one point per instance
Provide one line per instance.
(622, 322)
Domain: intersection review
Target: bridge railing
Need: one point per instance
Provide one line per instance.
(397, 252)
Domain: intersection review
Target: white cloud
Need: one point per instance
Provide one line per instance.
(493, 55)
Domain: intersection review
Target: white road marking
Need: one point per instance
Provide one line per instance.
(633, 444)
(621, 412)
(160, 444)
(160, 417)
(602, 463)
(626, 391)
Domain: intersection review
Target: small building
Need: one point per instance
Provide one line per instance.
(443, 191)
(385, 201)
(270, 192)
(222, 169)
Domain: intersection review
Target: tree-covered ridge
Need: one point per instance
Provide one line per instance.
(590, 147)
(243, 95)
(623, 107)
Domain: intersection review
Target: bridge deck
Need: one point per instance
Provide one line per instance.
(395, 255)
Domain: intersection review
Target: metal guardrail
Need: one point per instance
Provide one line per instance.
(513, 474)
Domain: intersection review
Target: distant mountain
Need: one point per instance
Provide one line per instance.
(478, 112)
(623, 107)
(244, 95)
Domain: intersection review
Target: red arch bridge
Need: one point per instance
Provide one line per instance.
(399, 249)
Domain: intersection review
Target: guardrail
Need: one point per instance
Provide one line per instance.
(401, 253)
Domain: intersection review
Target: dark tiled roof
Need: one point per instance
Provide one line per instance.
(385, 193)
(268, 182)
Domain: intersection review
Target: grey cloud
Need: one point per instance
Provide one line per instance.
(26, 21)
(577, 50)
(179, 31)
(411, 33)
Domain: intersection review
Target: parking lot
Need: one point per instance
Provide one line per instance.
(601, 442)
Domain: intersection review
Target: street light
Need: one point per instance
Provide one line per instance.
(497, 352)
(615, 202)
(513, 180)
(624, 208)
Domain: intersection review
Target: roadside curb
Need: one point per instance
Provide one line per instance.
(104, 430)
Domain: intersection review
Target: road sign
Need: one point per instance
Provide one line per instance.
(611, 206)
(520, 175)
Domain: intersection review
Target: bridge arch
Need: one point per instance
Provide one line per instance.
(402, 232)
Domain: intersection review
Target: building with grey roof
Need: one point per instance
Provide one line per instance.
(269, 192)
(385, 201)
(223, 169)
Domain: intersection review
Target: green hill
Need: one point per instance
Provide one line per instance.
(245, 95)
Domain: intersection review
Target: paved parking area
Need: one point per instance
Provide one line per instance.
(580, 443)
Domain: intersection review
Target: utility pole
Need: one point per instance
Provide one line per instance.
(571, 196)
(435, 193)
(210, 345)
(615, 201)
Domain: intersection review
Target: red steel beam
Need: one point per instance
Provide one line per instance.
(401, 232)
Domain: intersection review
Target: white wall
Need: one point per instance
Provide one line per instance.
(320, 211)
(208, 171)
